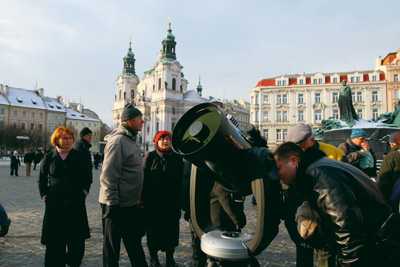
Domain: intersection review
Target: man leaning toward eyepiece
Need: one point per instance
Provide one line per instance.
(121, 183)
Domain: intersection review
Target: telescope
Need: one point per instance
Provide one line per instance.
(219, 152)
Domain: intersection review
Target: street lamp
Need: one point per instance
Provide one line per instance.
(19, 137)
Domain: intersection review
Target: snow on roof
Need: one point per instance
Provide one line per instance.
(363, 124)
(3, 100)
(75, 115)
(52, 104)
(192, 96)
(24, 98)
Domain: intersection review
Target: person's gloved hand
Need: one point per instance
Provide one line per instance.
(112, 212)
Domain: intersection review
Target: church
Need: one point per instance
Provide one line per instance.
(161, 95)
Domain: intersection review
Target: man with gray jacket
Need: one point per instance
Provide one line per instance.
(121, 183)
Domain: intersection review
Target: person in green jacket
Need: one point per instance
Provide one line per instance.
(389, 172)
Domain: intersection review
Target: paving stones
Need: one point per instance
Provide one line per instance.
(21, 247)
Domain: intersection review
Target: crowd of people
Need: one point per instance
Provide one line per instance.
(331, 203)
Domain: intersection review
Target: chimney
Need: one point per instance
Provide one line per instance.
(40, 91)
(79, 107)
(60, 99)
(5, 89)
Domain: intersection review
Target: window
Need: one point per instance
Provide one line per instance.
(352, 79)
(40, 126)
(320, 80)
(159, 83)
(76, 123)
(284, 115)
(2, 122)
(375, 114)
(374, 96)
(279, 99)
(157, 126)
(336, 114)
(284, 99)
(265, 117)
(359, 96)
(335, 97)
(265, 99)
(50, 117)
(172, 126)
(279, 115)
(148, 129)
(32, 126)
(335, 80)
(301, 82)
(283, 83)
(360, 113)
(300, 98)
(173, 84)
(358, 79)
(24, 113)
(279, 83)
(265, 132)
(396, 94)
(317, 97)
(396, 77)
(70, 123)
(33, 114)
(278, 134)
(256, 99)
(256, 116)
(315, 81)
(95, 125)
(284, 134)
(23, 125)
(2, 111)
(318, 116)
(300, 115)
(353, 96)
(15, 112)
(374, 78)
(41, 115)
(56, 117)
(83, 124)
(14, 124)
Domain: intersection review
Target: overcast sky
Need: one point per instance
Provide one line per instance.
(74, 48)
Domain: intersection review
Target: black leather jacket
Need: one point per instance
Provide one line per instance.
(349, 203)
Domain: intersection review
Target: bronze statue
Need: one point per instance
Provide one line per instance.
(347, 112)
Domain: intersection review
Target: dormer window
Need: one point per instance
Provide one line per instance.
(19, 99)
(33, 101)
(73, 115)
(58, 106)
(51, 105)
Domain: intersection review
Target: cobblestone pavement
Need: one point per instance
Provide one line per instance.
(21, 247)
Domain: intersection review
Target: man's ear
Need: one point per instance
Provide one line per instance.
(294, 160)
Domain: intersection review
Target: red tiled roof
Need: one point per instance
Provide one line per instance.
(389, 58)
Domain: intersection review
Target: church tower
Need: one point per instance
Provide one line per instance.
(127, 83)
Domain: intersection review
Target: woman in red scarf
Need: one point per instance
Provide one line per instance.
(163, 171)
(64, 182)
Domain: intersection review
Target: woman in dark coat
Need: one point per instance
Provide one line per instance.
(15, 162)
(163, 171)
(64, 183)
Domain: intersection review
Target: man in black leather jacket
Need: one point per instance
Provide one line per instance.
(350, 206)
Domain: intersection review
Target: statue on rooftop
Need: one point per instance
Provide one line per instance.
(347, 112)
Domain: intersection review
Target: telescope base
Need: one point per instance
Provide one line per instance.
(226, 246)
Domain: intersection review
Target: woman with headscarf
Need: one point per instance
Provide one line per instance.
(163, 171)
(64, 183)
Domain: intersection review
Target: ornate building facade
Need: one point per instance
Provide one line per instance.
(279, 103)
(162, 94)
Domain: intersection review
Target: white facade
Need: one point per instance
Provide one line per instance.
(279, 103)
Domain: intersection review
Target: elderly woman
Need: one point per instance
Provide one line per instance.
(64, 183)
(163, 170)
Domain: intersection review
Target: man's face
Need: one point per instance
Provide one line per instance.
(136, 123)
(308, 143)
(88, 137)
(287, 171)
(359, 140)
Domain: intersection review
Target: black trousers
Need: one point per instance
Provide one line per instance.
(14, 169)
(127, 225)
(58, 255)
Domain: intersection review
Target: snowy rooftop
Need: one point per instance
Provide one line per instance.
(192, 96)
(24, 98)
(363, 124)
(52, 104)
(75, 115)
(3, 100)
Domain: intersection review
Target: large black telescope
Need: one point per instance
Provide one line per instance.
(220, 152)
